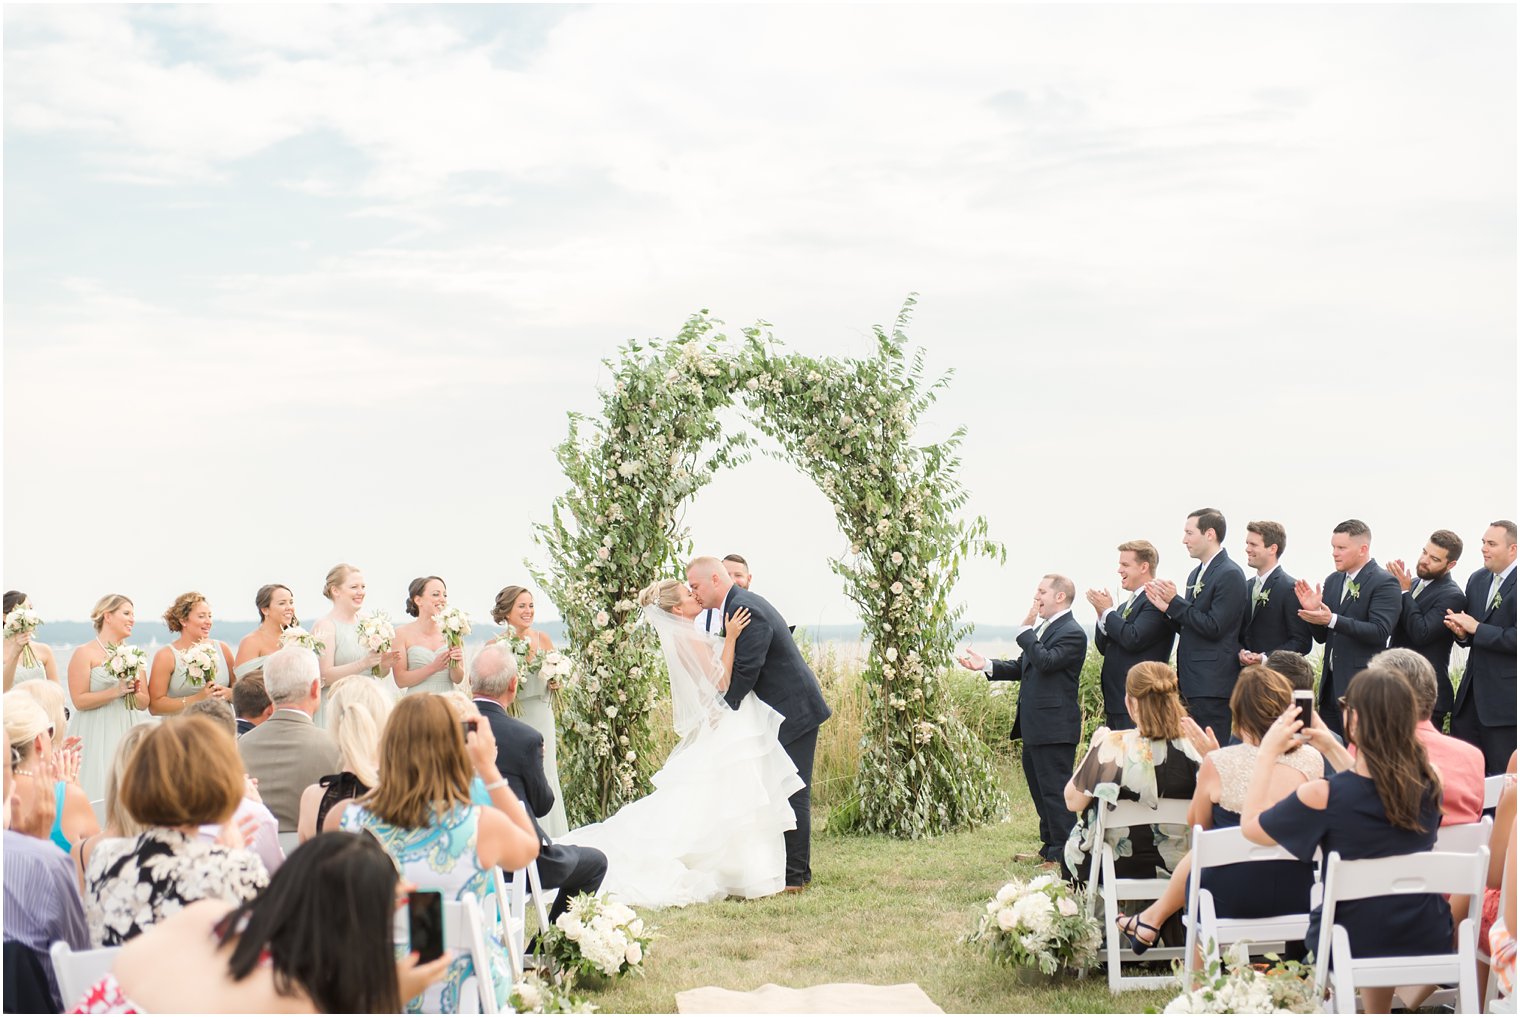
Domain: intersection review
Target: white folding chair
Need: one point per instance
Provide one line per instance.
(1228, 846)
(1171, 811)
(464, 928)
(1425, 872)
(78, 971)
(98, 806)
(289, 842)
(1464, 838)
(525, 884)
(1493, 787)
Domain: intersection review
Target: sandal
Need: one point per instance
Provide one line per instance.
(1136, 944)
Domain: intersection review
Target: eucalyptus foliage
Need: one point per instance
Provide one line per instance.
(849, 426)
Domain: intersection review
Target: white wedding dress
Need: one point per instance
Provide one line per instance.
(713, 827)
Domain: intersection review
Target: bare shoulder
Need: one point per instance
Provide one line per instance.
(1315, 794)
(185, 931)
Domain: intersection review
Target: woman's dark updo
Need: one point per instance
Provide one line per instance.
(504, 601)
(415, 590)
(265, 597)
(13, 600)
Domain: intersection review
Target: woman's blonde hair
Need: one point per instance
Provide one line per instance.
(356, 714)
(104, 606)
(118, 819)
(179, 611)
(25, 719)
(49, 696)
(423, 766)
(336, 577)
(1158, 711)
(662, 593)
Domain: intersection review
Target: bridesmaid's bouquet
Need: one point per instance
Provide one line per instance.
(375, 633)
(126, 663)
(297, 636)
(23, 621)
(597, 937)
(557, 670)
(455, 624)
(200, 663)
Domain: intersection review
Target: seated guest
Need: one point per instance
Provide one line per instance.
(119, 822)
(183, 775)
(29, 729)
(252, 814)
(250, 702)
(1248, 890)
(41, 906)
(421, 814)
(1459, 763)
(1151, 761)
(288, 751)
(1499, 936)
(356, 713)
(312, 942)
(520, 758)
(1296, 668)
(1388, 803)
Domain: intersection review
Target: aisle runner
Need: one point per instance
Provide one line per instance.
(836, 998)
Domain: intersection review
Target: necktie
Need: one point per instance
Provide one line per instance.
(1255, 594)
(1040, 629)
(1419, 585)
(1493, 591)
(1129, 604)
(1345, 588)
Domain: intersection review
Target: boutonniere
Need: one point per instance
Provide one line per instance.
(1353, 590)
(1498, 599)
(1262, 596)
(1197, 588)
(1128, 607)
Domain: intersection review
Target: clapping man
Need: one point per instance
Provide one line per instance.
(1427, 597)
(1130, 633)
(1207, 618)
(1485, 703)
(1353, 613)
(1049, 717)
(1271, 621)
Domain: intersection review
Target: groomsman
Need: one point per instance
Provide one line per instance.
(1131, 633)
(1353, 613)
(1049, 717)
(1207, 617)
(1485, 705)
(1271, 621)
(1428, 595)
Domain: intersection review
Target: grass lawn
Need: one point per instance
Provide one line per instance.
(879, 911)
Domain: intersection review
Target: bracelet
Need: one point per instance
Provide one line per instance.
(496, 784)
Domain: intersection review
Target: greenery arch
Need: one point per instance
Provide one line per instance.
(847, 424)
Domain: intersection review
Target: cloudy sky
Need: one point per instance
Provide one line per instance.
(293, 285)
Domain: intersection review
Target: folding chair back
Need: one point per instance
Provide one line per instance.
(78, 971)
(1464, 838)
(1493, 788)
(464, 928)
(1113, 889)
(1229, 846)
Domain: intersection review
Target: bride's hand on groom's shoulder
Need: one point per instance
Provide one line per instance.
(737, 622)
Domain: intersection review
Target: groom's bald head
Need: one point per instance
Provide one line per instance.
(709, 580)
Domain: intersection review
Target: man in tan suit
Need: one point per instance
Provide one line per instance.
(288, 752)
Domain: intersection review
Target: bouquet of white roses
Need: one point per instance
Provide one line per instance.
(557, 669)
(597, 937)
(126, 663)
(297, 636)
(200, 663)
(375, 632)
(23, 621)
(1041, 924)
(535, 994)
(455, 624)
(1239, 987)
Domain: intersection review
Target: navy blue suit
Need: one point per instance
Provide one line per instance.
(1208, 648)
(1485, 704)
(1273, 623)
(768, 663)
(1124, 642)
(1049, 720)
(1422, 628)
(1364, 623)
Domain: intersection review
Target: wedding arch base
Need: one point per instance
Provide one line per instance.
(849, 426)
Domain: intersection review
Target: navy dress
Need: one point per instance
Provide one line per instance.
(1355, 824)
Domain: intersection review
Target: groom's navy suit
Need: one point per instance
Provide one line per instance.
(768, 663)
(1126, 636)
(1207, 614)
(1364, 623)
(1049, 720)
(1485, 703)
(1422, 628)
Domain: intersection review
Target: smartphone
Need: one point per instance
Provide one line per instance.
(470, 727)
(1304, 700)
(425, 915)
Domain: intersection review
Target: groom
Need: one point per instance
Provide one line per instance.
(768, 663)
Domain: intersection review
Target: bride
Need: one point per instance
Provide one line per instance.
(714, 824)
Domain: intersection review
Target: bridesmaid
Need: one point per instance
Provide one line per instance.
(169, 688)
(430, 665)
(277, 612)
(514, 607)
(103, 706)
(338, 631)
(15, 671)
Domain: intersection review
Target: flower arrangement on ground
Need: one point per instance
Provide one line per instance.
(23, 621)
(534, 993)
(1238, 986)
(297, 636)
(1039, 924)
(375, 633)
(598, 937)
(200, 663)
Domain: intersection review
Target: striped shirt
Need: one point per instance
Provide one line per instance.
(42, 899)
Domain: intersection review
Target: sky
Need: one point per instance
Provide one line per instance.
(288, 286)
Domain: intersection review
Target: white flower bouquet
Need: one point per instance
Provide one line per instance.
(1040, 924)
(535, 994)
(23, 621)
(1237, 986)
(455, 625)
(297, 636)
(375, 633)
(126, 663)
(598, 937)
(200, 663)
(557, 669)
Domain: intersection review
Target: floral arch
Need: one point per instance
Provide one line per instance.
(848, 425)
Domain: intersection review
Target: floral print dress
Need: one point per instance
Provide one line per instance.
(1125, 765)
